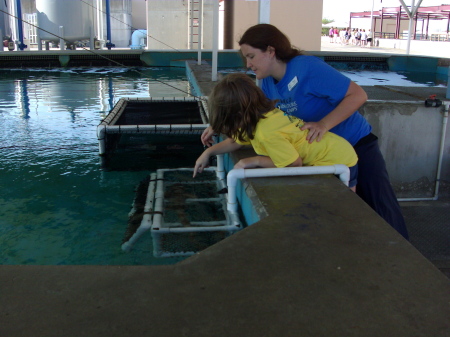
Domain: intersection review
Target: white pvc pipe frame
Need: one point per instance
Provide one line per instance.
(104, 127)
(102, 130)
(146, 222)
(157, 228)
(235, 174)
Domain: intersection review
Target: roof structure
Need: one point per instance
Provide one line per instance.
(432, 12)
(441, 12)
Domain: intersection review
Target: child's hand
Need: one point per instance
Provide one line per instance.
(206, 137)
(201, 163)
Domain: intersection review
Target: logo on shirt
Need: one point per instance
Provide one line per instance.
(288, 106)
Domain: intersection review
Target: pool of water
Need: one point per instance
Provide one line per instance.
(57, 206)
(371, 76)
(401, 78)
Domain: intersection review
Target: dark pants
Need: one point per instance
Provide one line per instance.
(374, 186)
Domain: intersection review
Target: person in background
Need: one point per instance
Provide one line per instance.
(241, 111)
(336, 34)
(348, 35)
(369, 38)
(363, 38)
(342, 33)
(310, 89)
(331, 34)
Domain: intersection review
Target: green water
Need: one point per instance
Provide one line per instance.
(57, 206)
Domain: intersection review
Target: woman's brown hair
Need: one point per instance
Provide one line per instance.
(263, 35)
(236, 104)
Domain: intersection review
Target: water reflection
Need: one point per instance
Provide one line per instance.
(58, 206)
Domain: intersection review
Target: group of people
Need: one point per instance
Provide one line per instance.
(305, 113)
(348, 36)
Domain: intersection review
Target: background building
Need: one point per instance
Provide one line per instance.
(166, 24)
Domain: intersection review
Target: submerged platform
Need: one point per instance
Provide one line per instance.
(190, 213)
(147, 133)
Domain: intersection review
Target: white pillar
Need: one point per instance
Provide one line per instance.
(200, 31)
(264, 11)
(61, 38)
(215, 40)
(411, 19)
(263, 17)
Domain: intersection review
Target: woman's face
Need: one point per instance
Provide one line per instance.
(259, 61)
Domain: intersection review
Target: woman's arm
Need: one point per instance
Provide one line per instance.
(353, 100)
(228, 145)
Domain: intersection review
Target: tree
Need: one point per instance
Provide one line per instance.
(324, 22)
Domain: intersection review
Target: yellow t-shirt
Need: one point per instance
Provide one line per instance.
(279, 137)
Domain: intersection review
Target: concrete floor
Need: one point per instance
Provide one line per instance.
(321, 264)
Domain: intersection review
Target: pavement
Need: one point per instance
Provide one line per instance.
(339, 47)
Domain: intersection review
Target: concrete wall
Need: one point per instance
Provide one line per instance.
(441, 49)
(300, 20)
(168, 24)
(409, 137)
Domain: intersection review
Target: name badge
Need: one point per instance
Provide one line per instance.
(293, 83)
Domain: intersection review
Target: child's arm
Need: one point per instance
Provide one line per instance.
(228, 145)
(264, 162)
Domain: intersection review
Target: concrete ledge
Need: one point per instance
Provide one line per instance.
(321, 264)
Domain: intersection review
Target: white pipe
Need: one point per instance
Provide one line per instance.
(263, 17)
(411, 19)
(151, 128)
(372, 29)
(101, 134)
(100, 37)
(181, 229)
(220, 170)
(158, 217)
(264, 11)
(200, 31)
(61, 38)
(137, 39)
(146, 222)
(215, 41)
(441, 155)
(235, 174)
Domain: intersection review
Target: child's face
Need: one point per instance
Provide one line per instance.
(259, 61)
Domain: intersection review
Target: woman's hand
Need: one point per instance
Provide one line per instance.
(316, 131)
(206, 137)
(354, 98)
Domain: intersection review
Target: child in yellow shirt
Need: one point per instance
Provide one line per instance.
(240, 110)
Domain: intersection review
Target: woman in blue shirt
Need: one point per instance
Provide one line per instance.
(326, 100)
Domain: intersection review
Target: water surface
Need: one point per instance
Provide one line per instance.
(57, 206)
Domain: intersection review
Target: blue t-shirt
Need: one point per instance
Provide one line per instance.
(310, 90)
